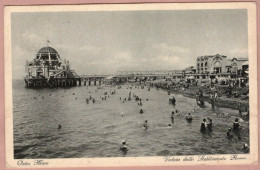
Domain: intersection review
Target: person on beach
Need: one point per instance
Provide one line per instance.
(141, 111)
(59, 127)
(200, 94)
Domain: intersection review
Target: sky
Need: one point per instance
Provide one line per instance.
(105, 42)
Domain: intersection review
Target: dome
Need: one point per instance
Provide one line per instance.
(47, 50)
(44, 53)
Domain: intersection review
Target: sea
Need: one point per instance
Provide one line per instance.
(90, 130)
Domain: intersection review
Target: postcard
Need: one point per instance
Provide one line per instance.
(154, 84)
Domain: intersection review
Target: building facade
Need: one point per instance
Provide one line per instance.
(211, 64)
(221, 65)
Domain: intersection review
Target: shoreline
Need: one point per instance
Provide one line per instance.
(232, 103)
(222, 101)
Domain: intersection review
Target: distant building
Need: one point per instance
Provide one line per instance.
(220, 65)
(237, 63)
(190, 70)
(211, 64)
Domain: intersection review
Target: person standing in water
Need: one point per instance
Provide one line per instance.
(172, 117)
(236, 125)
(203, 126)
(123, 146)
(188, 118)
(145, 125)
(209, 125)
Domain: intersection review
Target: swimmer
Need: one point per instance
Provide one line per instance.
(59, 127)
(229, 134)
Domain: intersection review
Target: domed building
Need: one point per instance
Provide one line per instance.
(48, 70)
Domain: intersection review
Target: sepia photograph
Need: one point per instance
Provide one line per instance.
(165, 81)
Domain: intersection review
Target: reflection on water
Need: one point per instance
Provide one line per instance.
(97, 129)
